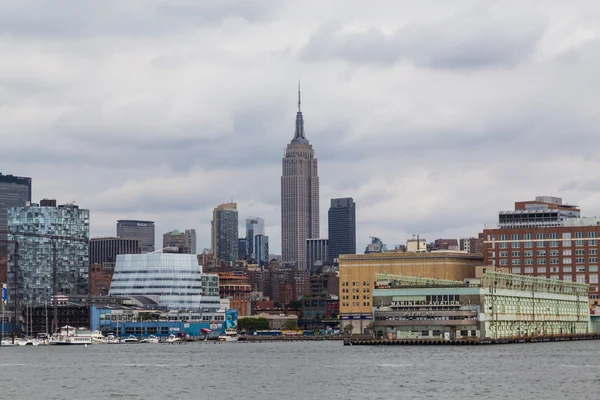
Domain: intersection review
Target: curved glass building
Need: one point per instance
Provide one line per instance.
(176, 281)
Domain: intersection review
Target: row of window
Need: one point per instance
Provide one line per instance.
(356, 283)
(357, 304)
(355, 297)
(543, 253)
(552, 261)
(541, 236)
(552, 243)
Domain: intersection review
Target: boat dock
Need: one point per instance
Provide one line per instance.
(468, 342)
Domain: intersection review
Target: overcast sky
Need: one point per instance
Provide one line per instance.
(432, 115)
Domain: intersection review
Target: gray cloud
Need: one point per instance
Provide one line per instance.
(465, 41)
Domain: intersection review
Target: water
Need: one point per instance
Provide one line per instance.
(301, 370)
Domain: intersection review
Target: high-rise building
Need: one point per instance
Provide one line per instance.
(472, 244)
(142, 230)
(261, 249)
(317, 254)
(242, 245)
(546, 238)
(190, 240)
(299, 196)
(106, 249)
(254, 226)
(225, 232)
(15, 191)
(176, 281)
(48, 252)
(342, 227)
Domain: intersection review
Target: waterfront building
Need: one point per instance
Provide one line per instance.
(141, 230)
(176, 281)
(317, 254)
(15, 191)
(106, 249)
(546, 238)
(496, 306)
(48, 252)
(254, 226)
(358, 274)
(261, 249)
(299, 196)
(225, 233)
(342, 227)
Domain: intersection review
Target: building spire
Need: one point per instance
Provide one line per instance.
(299, 101)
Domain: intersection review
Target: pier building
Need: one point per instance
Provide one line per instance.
(497, 306)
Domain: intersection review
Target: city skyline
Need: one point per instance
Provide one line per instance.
(427, 139)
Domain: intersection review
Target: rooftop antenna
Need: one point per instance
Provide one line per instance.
(299, 101)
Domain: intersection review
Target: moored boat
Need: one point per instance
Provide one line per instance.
(150, 339)
(69, 335)
(230, 335)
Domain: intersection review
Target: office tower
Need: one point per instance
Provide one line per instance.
(225, 232)
(142, 230)
(190, 240)
(15, 191)
(546, 238)
(261, 249)
(176, 279)
(242, 245)
(48, 252)
(299, 196)
(254, 226)
(106, 249)
(342, 227)
(317, 254)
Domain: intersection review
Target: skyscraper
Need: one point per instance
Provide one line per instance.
(15, 191)
(142, 230)
(316, 254)
(254, 226)
(342, 227)
(190, 240)
(225, 232)
(261, 249)
(299, 196)
(41, 239)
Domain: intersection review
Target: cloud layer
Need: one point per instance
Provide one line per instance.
(432, 116)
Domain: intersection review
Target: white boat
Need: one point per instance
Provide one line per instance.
(111, 339)
(130, 339)
(28, 342)
(69, 335)
(98, 337)
(7, 342)
(150, 339)
(230, 335)
(172, 338)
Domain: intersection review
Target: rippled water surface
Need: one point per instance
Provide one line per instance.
(301, 370)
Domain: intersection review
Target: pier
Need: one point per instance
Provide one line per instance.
(468, 342)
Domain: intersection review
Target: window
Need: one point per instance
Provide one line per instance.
(556, 277)
(504, 254)
(528, 261)
(528, 245)
(579, 252)
(580, 260)
(515, 245)
(515, 261)
(541, 253)
(592, 234)
(567, 252)
(593, 251)
(593, 278)
(566, 260)
(554, 261)
(516, 270)
(568, 278)
(593, 260)
(503, 262)
(541, 261)
(593, 268)
(580, 268)
(541, 270)
(503, 245)
(566, 235)
(516, 254)
(567, 269)
(554, 269)
(529, 270)
(553, 253)
(578, 235)
(527, 236)
(503, 236)
(580, 278)
(539, 236)
(528, 253)
(579, 243)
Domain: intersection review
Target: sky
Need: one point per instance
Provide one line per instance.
(432, 115)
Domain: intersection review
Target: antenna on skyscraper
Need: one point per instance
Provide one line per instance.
(299, 102)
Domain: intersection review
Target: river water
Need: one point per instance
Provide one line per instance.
(301, 370)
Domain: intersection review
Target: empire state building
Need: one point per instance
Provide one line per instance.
(299, 196)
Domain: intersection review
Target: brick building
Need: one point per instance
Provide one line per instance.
(546, 238)
(100, 277)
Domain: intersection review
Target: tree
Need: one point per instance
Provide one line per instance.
(348, 329)
(295, 305)
(290, 325)
(253, 324)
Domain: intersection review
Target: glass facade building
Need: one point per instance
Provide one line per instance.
(176, 281)
(254, 226)
(225, 232)
(261, 249)
(47, 236)
(342, 227)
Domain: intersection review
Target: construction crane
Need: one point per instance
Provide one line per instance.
(16, 269)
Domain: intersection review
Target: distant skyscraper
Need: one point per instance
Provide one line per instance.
(190, 240)
(342, 227)
(15, 191)
(242, 245)
(106, 249)
(261, 249)
(254, 226)
(44, 233)
(142, 230)
(225, 232)
(316, 254)
(299, 196)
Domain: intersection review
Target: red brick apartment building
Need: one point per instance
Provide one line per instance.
(546, 238)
